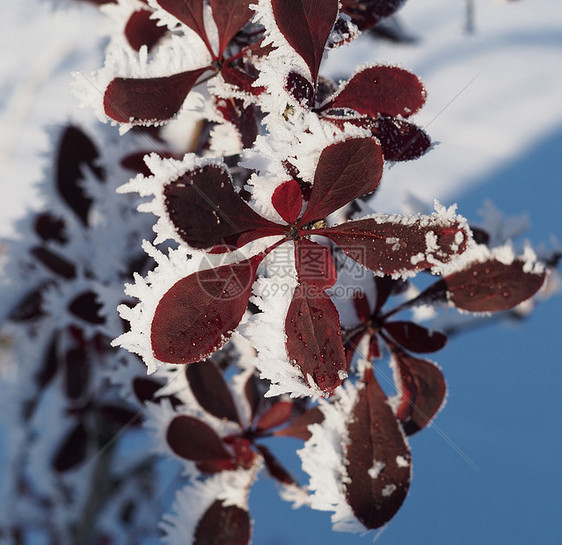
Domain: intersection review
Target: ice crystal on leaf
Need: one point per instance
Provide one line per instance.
(198, 314)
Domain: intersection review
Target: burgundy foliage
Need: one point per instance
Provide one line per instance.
(381, 90)
(223, 525)
(378, 458)
(192, 439)
(153, 100)
(200, 312)
(207, 213)
(130, 100)
(73, 449)
(492, 286)
(210, 390)
(77, 154)
(142, 30)
(487, 286)
(314, 339)
(421, 385)
(378, 98)
(422, 388)
(306, 25)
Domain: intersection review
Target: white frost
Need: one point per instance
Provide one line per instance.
(388, 490)
(401, 461)
(323, 458)
(375, 469)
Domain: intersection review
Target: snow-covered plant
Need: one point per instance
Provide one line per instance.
(261, 306)
(65, 464)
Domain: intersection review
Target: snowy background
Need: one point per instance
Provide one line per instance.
(488, 471)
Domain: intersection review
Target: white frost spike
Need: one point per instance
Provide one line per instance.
(323, 458)
(394, 242)
(171, 268)
(193, 501)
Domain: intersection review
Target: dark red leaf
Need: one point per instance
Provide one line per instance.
(50, 363)
(287, 201)
(384, 286)
(492, 286)
(314, 340)
(222, 525)
(422, 388)
(243, 452)
(76, 153)
(415, 338)
(390, 247)
(142, 30)
(211, 391)
(217, 465)
(351, 345)
(135, 161)
(400, 140)
(274, 466)
(306, 25)
(77, 372)
(87, 307)
(241, 79)
(145, 389)
(298, 428)
(134, 100)
(315, 265)
(381, 90)
(119, 415)
(72, 450)
(55, 262)
(50, 227)
(374, 348)
(293, 171)
(206, 211)
(29, 308)
(367, 13)
(253, 394)
(197, 315)
(194, 440)
(300, 89)
(346, 170)
(479, 235)
(230, 16)
(362, 307)
(276, 415)
(378, 458)
(189, 12)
